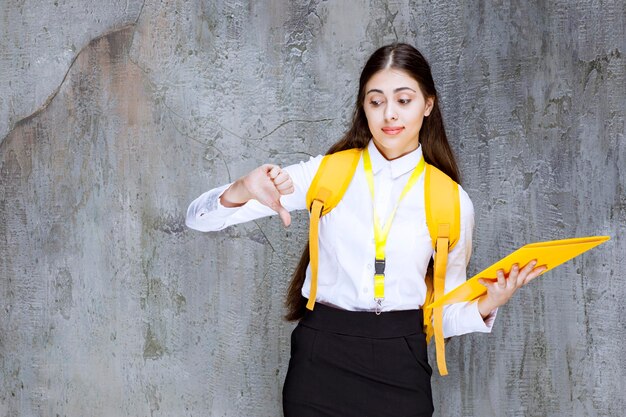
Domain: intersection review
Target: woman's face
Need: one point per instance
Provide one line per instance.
(395, 109)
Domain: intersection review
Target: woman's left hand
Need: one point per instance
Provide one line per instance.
(500, 291)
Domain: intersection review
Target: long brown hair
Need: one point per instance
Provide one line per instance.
(432, 137)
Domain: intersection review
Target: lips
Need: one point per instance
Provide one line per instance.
(393, 130)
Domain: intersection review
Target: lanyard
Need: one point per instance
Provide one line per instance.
(381, 233)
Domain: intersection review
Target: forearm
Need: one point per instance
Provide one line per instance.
(231, 204)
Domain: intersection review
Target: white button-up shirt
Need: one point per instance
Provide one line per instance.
(346, 239)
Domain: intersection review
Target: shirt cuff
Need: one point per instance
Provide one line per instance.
(206, 213)
(211, 203)
(469, 320)
(482, 325)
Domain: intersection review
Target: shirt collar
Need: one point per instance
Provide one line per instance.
(399, 166)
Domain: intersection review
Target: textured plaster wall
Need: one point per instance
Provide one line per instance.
(115, 115)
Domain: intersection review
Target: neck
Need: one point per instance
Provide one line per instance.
(391, 154)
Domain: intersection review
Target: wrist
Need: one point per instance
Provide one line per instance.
(236, 195)
(486, 306)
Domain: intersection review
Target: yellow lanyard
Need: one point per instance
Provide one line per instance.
(380, 234)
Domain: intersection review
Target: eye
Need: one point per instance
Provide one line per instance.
(404, 100)
(375, 102)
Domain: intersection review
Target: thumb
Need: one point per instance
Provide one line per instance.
(282, 212)
(284, 215)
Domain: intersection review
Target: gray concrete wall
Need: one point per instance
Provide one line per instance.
(115, 115)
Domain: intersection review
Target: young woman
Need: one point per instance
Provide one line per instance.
(351, 356)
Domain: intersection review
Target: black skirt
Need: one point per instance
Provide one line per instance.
(358, 364)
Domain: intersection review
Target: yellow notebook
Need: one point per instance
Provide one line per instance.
(551, 254)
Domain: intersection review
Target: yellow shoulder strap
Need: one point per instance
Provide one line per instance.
(327, 188)
(443, 217)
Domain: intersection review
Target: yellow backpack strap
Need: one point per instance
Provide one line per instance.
(443, 217)
(327, 188)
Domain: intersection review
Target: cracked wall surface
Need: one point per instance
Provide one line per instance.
(38, 43)
(115, 116)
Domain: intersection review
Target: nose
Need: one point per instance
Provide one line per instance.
(390, 112)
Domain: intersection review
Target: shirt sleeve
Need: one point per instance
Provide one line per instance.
(206, 213)
(462, 318)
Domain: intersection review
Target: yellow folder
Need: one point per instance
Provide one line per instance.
(551, 254)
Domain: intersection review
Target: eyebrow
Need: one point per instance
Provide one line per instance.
(376, 90)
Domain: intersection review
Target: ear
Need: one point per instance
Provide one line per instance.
(430, 104)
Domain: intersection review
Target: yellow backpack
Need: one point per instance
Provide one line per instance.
(443, 217)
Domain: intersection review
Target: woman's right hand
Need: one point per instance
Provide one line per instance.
(265, 184)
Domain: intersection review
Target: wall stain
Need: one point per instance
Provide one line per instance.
(126, 30)
(171, 225)
(152, 348)
(599, 65)
(153, 397)
(160, 296)
(62, 292)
